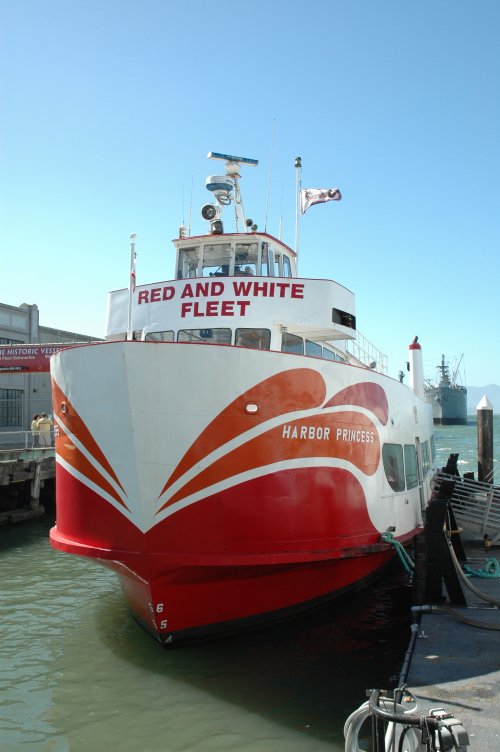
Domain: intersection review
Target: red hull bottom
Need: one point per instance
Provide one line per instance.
(186, 579)
(225, 600)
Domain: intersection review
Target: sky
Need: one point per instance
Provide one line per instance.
(108, 109)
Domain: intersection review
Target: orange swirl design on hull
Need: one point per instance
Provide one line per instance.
(70, 453)
(368, 395)
(348, 436)
(297, 389)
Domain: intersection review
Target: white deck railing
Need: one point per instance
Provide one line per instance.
(364, 351)
(476, 505)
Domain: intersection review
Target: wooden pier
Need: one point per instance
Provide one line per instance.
(24, 475)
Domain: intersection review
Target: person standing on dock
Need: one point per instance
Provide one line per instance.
(34, 430)
(44, 425)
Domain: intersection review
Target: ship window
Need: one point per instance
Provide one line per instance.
(343, 318)
(205, 336)
(257, 339)
(189, 259)
(312, 348)
(426, 459)
(392, 456)
(216, 257)
(245, 261)
(330, 355)
(265, 260)
(159, 336)
(278, 265)
(287, 269)
(411, 470)
(290, 343)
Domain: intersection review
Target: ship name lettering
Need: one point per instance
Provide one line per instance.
(268, 289)
(156, 294)
(214, 308)
(202, 289)
(305, 432)
(355, 434)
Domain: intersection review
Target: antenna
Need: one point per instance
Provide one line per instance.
(221, 187)
(269, 176)
(190, 208)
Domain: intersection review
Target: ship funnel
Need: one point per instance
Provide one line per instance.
(417, 369)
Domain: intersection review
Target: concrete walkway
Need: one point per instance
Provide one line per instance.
(456, 666)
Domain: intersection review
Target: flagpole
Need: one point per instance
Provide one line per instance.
(298, 170)
(131, 285)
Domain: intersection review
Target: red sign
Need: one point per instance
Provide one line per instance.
(28, 358)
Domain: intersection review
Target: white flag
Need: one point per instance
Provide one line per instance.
(311, 196)
(132, 271)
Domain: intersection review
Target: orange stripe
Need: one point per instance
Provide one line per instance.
(76, 426)
(278, 444)
(369, 395)
(297, 389)
(74, 457)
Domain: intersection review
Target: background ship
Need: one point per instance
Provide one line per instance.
(448, 398)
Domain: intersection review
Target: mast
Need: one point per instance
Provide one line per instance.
(298, 170)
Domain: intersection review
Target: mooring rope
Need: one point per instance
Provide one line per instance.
(490, 570)
(403, 554)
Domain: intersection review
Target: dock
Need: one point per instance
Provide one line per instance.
(24, 474)
(455, 664)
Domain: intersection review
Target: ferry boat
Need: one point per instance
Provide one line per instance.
(235, 451)
(447, 397)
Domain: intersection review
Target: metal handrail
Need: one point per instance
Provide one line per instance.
(476, 504)
(23, 440)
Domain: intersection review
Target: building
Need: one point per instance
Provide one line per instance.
(23, 395)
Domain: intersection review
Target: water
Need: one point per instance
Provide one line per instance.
(463, 439)
(78, 674)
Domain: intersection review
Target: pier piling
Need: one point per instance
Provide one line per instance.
(485, 440)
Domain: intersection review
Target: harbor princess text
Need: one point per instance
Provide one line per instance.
(230, 295)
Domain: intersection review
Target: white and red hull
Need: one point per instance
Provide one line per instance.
(228, 486)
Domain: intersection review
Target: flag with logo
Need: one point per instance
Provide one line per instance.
(311, 196)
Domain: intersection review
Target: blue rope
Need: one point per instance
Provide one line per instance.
(491, 570)
(401, 551)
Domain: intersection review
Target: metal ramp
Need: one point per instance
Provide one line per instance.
(476, 505)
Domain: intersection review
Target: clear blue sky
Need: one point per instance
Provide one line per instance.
(109, 107)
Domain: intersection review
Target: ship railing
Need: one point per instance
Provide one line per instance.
(366, 353)
(25, 440)
(475, 504)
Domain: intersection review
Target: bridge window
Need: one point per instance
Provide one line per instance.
(245, 261)
(216, 259)
(265, 260)
(257, 339)
(189, 260)
(290, 343)
(205, 336)
(287, 269)
(392, 456)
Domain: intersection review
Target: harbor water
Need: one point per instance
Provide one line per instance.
(77, 673)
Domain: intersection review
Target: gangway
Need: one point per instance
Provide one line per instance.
(476, 505)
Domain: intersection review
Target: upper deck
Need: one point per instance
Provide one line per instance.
(239, 280)
(241, 289)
